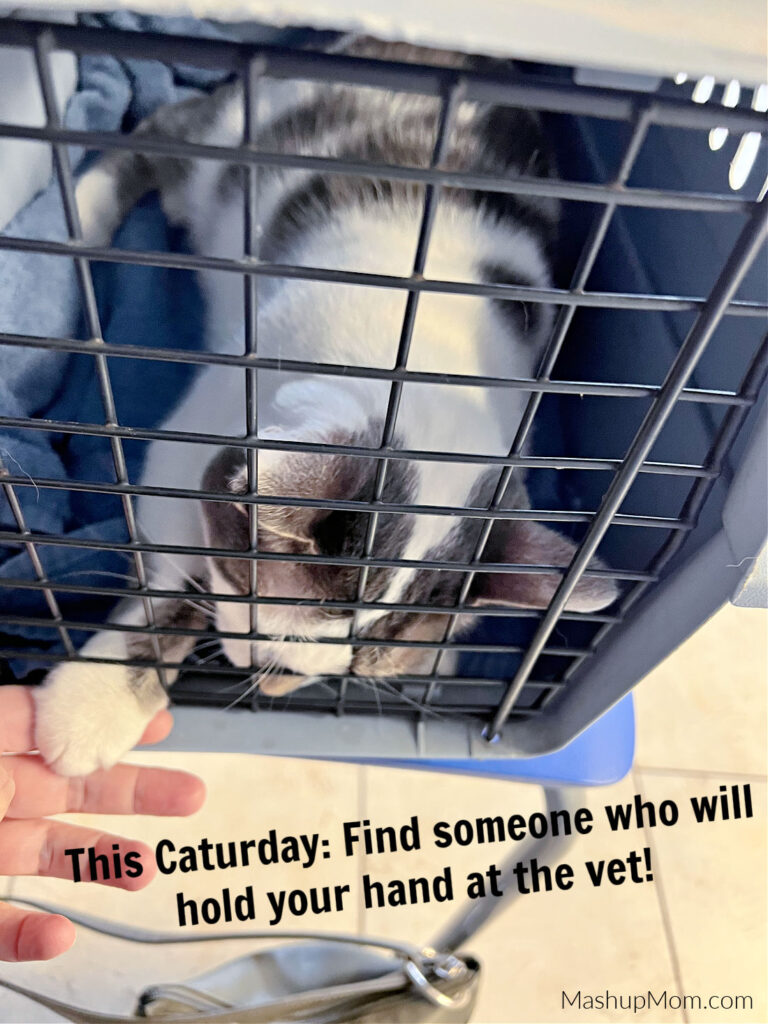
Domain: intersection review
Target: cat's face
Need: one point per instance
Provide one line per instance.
(315, 533)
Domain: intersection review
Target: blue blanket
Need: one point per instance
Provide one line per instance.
(138, 305)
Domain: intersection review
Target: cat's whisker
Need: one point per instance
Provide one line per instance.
(208, 658)
(242, 682)
(369, 681)
(97, 572)
(253, 680)
(198, 649)
(209, 613)
(207, 643)
(240, 696)
(426, 709)
(182, 572)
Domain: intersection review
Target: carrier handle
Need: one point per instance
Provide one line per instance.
(412, 973)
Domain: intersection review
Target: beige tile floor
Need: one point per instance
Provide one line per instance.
(699, 928)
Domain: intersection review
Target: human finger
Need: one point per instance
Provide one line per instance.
(30, 935)
(123, 789)
(39, 847)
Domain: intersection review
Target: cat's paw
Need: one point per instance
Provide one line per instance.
(279, 685)
(97, 204)
(89, 715)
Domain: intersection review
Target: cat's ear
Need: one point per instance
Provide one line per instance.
(527, 542)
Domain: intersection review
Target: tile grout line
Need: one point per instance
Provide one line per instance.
(702, 773)
(666, 918)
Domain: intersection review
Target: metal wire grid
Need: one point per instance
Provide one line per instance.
(495, 700)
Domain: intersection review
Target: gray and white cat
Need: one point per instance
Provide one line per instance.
(90, 714)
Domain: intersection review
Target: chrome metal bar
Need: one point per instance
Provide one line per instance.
(553, 296)
(25, 537)
(252, 234)
(289, 501)
(646, 198)
(219, 671)
(265, 556)
(498, 611)
(555, 387)
(448, 107)
(44, 44)
(330, 641)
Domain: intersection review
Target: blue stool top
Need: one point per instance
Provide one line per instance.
(600, 755)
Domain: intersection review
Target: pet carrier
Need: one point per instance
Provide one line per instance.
(643, 435)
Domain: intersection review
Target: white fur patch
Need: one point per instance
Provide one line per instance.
(87, 717)
(305, 658)
(97, 205)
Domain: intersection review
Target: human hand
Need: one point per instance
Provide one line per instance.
(31, 844)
